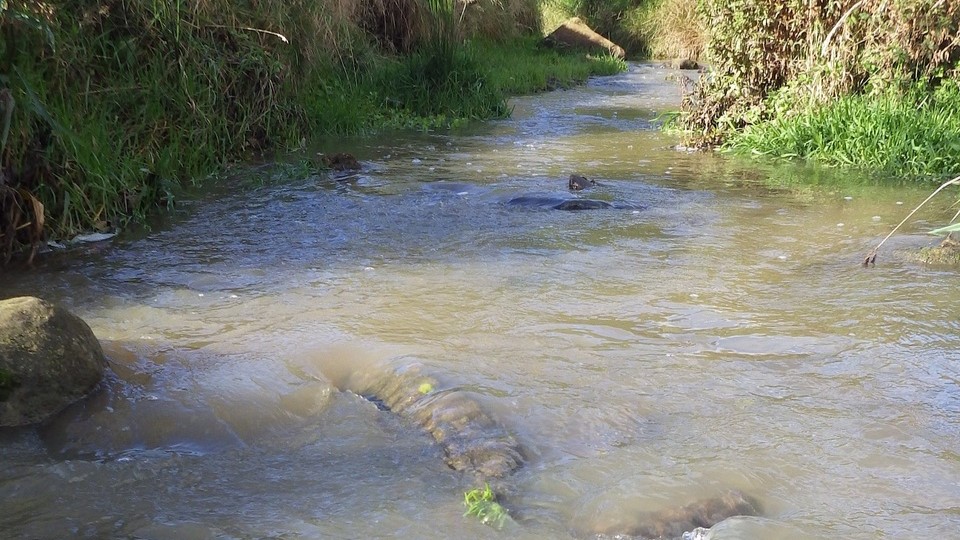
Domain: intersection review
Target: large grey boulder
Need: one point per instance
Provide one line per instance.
(574, 33)
(49, 358)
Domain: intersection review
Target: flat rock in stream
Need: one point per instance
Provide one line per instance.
(49, 358)
(567, 203)
(945, 254)
(471, 439)
(674, 522)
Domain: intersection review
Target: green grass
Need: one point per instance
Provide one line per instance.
(535, 69)
(116, 109)
(913, 134)
(482, 504)
(433, 89)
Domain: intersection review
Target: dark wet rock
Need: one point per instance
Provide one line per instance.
(583, 204)
(672, 523)
(472, 440)
(946, 253)
(574, 33)
(554, 83)
(579, 183)
(684, 63)
(49, 358)
(341, 162)
(571, 204)
(558, 203)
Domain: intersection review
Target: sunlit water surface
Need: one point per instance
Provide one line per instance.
(723, 336)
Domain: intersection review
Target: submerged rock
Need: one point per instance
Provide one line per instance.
(702, 514)
(575, 33)
(558, 203)
(682, 63)
(947, 253)
(341, 162)
(671, 523)
(49, 358)
(472, 441)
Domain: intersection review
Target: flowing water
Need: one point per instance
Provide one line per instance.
(716, 332)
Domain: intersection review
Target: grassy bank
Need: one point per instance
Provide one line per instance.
(473, 83)
(107, 107)
(870, 84)
(915, 133)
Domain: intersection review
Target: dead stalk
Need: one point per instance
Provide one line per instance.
(871, 257)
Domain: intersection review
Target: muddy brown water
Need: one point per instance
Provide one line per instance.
(724, 336)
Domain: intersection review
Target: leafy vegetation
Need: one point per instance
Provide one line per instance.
(482, 504)
(913, 133)
(870, 83)
(107, 107)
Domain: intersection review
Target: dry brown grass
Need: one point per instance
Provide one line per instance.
(496, 19)
(672, 29)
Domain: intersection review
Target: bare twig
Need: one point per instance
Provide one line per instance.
(281, 36)
(826, 42)
(871, 257)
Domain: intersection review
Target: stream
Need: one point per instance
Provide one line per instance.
(714, 330)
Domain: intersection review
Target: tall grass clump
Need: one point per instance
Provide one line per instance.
(668, 29)
(441, 77)
(869, 83)
(119, 101)
(536, 69)
(914, 134)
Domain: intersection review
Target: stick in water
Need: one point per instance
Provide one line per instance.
(871, 257)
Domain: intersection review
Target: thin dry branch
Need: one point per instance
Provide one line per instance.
(871, 257)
